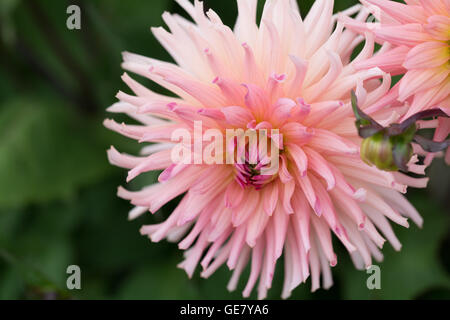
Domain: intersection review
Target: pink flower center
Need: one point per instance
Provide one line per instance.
(250, 175)
(259, 165)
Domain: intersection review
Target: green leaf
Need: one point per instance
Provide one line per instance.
(159, 280)
(24, 277)
(45, 152)
(127, 24)
(12, 284)
(7, 30)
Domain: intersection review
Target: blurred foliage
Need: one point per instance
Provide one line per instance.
(37, 141)
(416, 268)
(57, 191)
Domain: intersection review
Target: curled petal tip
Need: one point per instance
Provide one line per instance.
(172, 106)
(317, 207)
(333, 262)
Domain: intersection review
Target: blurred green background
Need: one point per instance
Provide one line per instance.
(58, 204)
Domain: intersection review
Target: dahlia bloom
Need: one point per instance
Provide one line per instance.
(416, 42)
(287, 74)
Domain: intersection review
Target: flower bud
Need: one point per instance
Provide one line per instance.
(386, 153)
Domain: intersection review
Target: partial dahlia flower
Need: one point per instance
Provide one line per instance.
(416, 42)
(287, 74)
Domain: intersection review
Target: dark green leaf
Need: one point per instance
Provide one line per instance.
(45, 153)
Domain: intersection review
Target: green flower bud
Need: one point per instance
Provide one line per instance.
(390, 148)
(386, 153)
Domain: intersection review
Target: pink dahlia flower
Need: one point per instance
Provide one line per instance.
(416, 42)
(287, 74)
